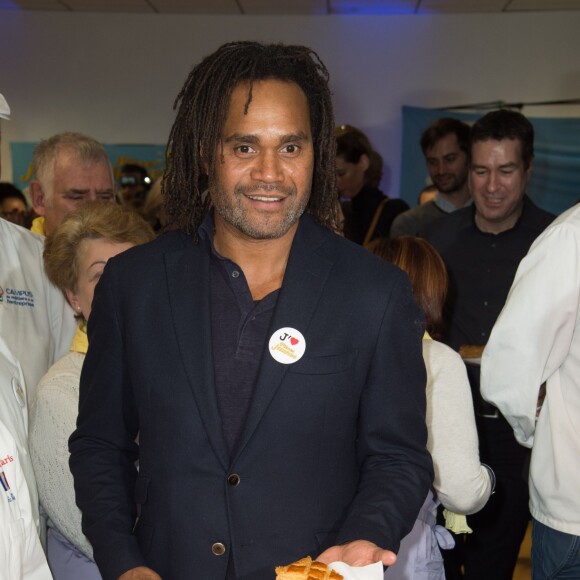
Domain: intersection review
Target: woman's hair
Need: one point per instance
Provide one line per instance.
(426, 271)
(96, 220)
(351, 145)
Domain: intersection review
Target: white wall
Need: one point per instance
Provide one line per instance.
(116, 76)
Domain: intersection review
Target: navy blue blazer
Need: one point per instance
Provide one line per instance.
(334, 445)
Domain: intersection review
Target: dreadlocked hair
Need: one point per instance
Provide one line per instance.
(202, 107)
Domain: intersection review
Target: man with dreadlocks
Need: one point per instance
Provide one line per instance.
(271, 370)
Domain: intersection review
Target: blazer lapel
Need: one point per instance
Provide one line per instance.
(188, 279)
(304, 280)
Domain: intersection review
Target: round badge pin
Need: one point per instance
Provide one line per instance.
(287, 345)
(18, 392)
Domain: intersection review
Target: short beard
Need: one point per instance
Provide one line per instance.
(455, 188)
(236, 216)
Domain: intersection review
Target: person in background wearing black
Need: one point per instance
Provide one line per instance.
(359, 168)
(482, 246)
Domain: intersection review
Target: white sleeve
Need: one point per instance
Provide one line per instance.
(462, 484)
(533, 333)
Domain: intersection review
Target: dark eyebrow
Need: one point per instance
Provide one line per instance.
(239, 138)
(294, 137)
(253, 139)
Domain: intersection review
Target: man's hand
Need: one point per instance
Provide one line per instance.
(140, 573)
(358, 553)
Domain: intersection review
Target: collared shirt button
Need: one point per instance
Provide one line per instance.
(483, 334)
(235, 274)
(485, 302)
(218, 549)
(234, 479)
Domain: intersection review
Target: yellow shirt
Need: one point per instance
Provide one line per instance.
(37, 226)
(80, 341)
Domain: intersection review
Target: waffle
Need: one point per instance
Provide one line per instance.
(306, 569)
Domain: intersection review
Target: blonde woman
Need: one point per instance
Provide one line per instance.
(75, 255)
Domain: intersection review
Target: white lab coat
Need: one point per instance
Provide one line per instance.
(21, 554)
(36, 322)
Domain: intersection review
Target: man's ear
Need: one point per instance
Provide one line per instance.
(529, 169)
(37, 197)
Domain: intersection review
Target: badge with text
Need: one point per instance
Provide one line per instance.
(287, 346)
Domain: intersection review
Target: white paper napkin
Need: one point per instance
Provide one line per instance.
(370, 572)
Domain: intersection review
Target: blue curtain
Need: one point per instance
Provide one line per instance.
(555, 182)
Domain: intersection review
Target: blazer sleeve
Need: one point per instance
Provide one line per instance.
(103, 449)
(396, 468)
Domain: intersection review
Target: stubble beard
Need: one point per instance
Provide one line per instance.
(270, 227)
(456, 186)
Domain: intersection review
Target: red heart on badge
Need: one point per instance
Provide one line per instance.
(294, 341)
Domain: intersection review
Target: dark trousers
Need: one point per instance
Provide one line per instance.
(491, 551)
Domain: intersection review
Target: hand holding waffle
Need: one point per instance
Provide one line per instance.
(358, 553)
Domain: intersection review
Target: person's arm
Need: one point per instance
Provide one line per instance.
(532, 335)
(395, 467)
(52, 421)
(462, 484)
(103, 448)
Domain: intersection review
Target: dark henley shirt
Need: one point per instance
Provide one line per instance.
(239, 327)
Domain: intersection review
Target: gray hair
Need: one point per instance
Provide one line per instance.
(87, 149)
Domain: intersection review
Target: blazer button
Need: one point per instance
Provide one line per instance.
(218, 549)
(234, 479)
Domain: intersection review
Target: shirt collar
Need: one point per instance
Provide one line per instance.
(207, 234)
(447, 206)
(37, 226)
(80, 341)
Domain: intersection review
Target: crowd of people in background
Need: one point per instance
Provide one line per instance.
(409, 401)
